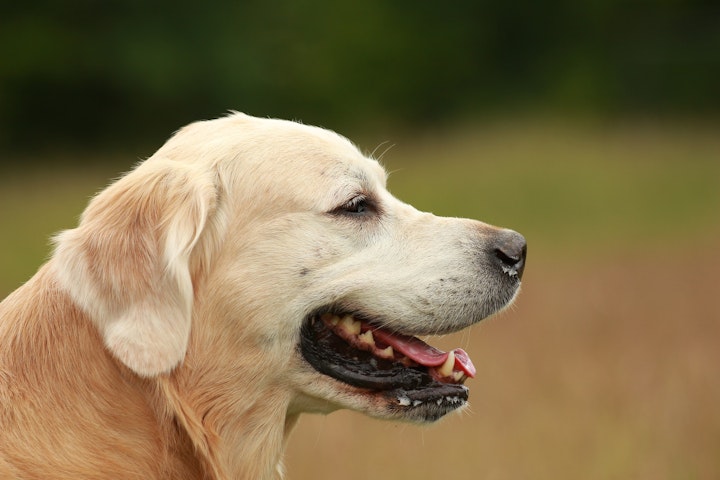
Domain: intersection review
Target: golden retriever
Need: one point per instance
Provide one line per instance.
(249, 271)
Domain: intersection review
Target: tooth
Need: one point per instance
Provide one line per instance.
(458, 375)
(387, 353)
(447, 368)
(329, 318)
(350, 325)
(367, 338)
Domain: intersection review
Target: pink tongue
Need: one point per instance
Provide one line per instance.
(422, 353)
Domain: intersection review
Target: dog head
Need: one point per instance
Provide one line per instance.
(270, 253)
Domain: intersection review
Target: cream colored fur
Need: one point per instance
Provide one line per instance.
(160, 340)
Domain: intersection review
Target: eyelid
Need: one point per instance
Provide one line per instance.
(355, 201)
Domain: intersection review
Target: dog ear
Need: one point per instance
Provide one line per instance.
(128, 263)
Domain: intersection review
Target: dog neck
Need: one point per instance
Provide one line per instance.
(229, 394)
(233, 439)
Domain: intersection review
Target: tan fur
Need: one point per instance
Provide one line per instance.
(160, 340)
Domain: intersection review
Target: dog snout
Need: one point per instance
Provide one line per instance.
(510, 250)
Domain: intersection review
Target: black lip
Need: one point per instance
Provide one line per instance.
(331, 355)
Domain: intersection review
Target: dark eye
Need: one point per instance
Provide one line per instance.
(358, 206)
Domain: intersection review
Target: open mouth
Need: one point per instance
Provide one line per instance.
(406, 370)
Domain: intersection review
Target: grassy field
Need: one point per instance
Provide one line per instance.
(608, 367)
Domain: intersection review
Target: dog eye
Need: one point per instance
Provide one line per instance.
(358, 206)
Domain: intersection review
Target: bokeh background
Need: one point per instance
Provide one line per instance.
(591, 127)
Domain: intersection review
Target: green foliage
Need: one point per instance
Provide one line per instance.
(98, 73)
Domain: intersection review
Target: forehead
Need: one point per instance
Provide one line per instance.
(315, 154)
(330, 164)
(324, 150)
(293, 161)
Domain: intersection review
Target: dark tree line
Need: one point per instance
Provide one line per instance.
(90, 73)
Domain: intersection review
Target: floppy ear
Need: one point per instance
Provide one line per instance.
(127, 264)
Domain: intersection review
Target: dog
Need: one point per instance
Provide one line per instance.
(249, 271)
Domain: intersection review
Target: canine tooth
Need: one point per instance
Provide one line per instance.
(404, 401)
(446, 369)
(417, 402)
(459, 375)
(387, 353)
(350, 325)
(367, 338)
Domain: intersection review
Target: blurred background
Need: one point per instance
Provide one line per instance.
(591, 127)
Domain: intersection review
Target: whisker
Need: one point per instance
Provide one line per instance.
(387, 149)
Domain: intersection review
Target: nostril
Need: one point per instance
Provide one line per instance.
(509, 260)
(511, 251)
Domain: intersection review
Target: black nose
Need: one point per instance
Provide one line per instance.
(510, 250)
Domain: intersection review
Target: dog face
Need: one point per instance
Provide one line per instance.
(275, 251)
